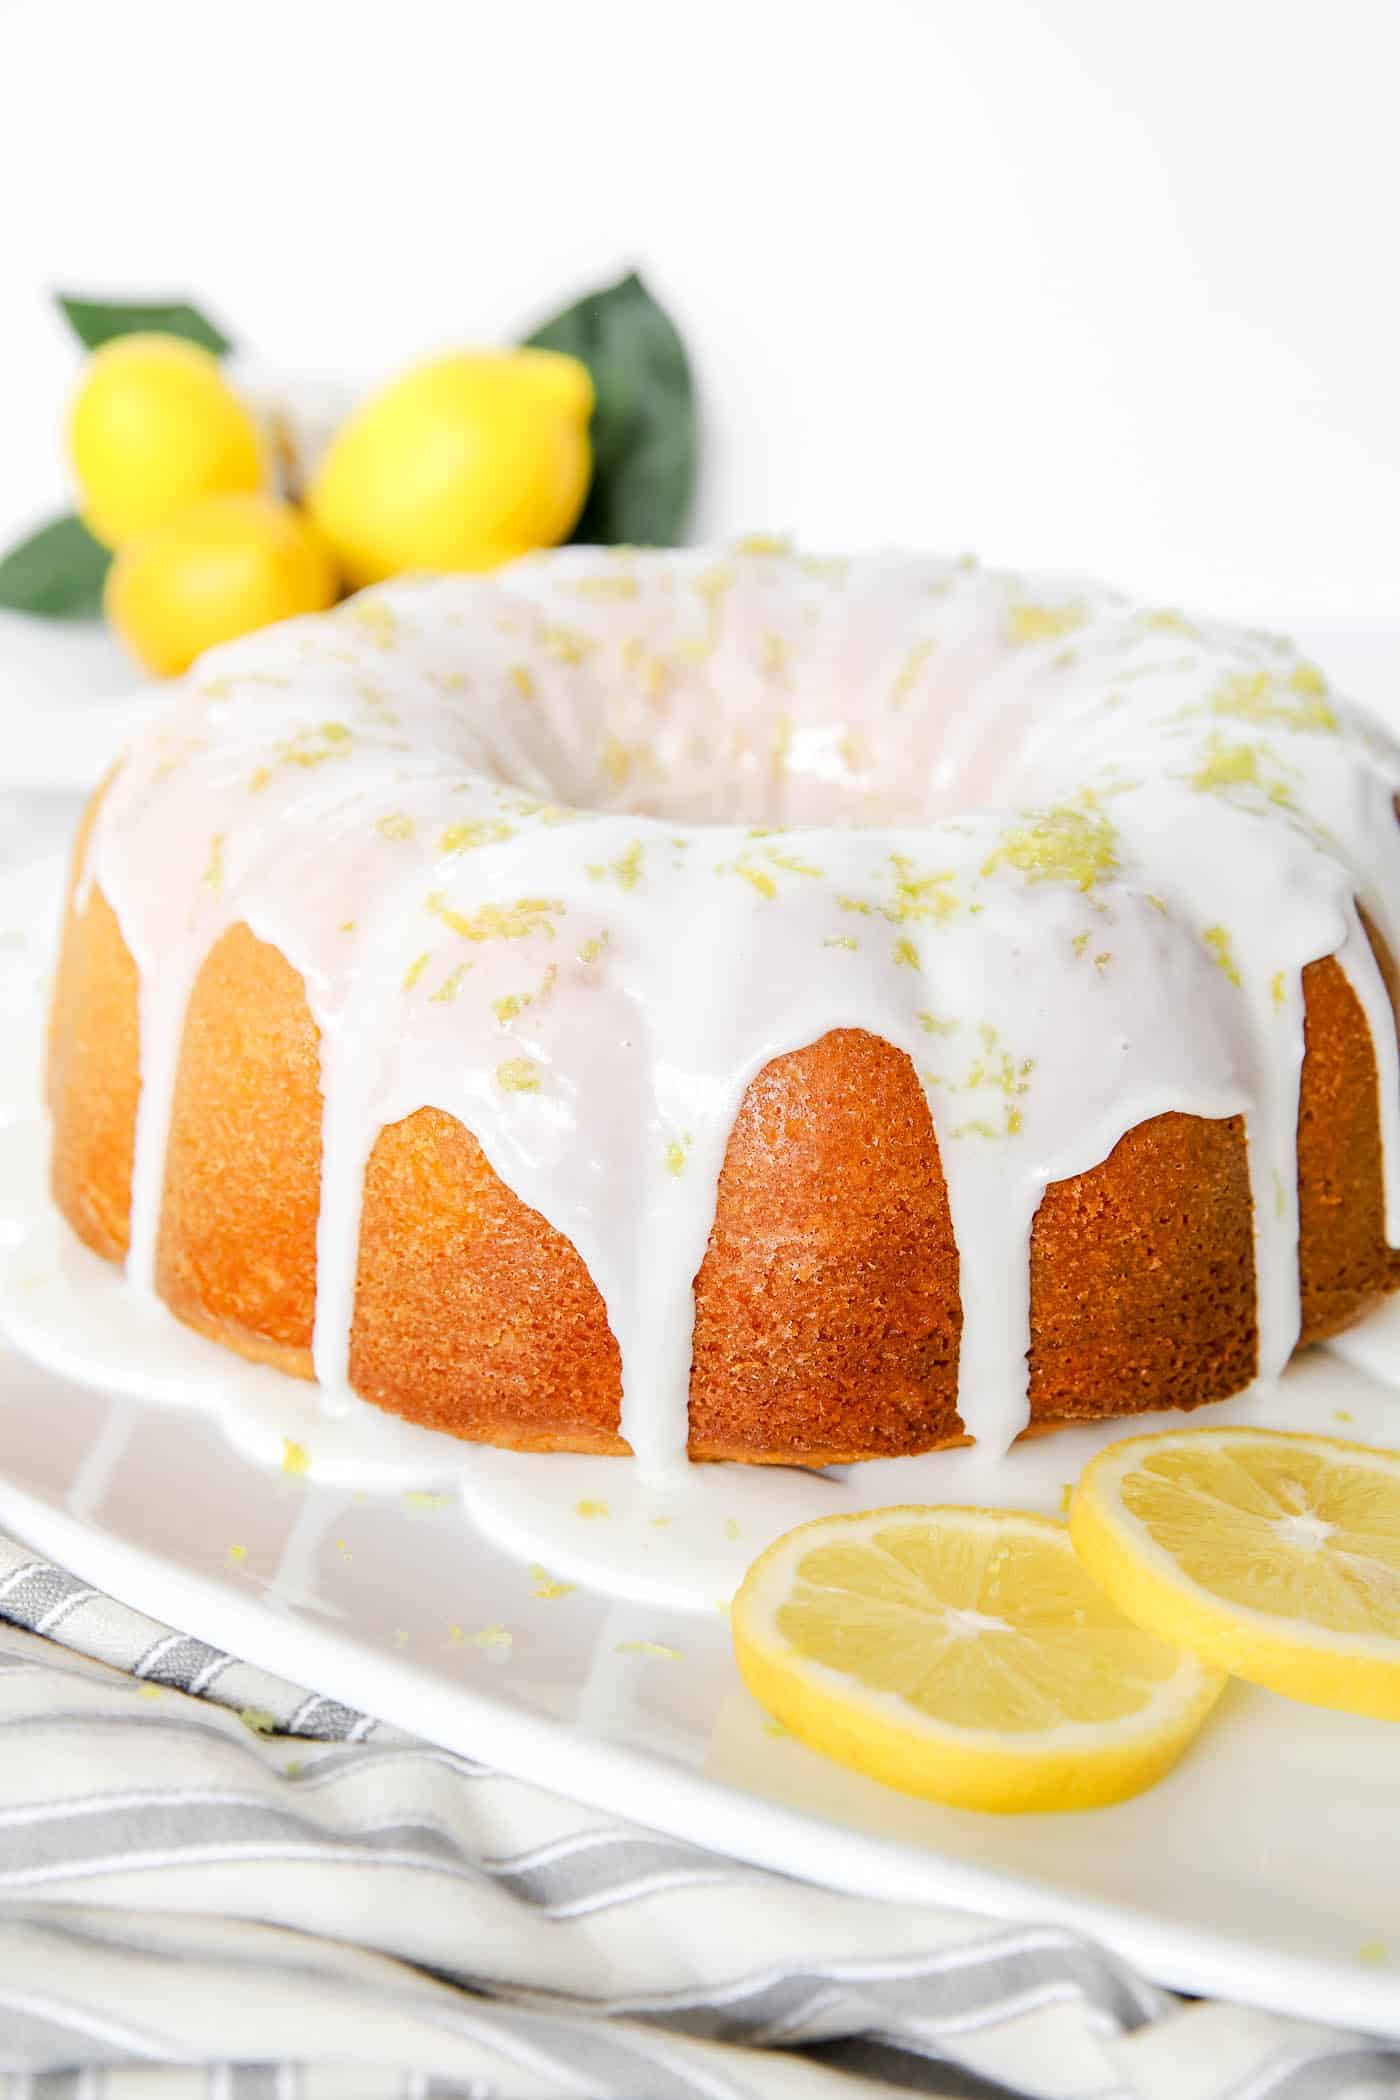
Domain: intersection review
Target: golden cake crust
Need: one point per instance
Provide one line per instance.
(93, 1076)
(827, 1305)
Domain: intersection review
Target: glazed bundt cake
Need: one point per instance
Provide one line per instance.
(795, 1010)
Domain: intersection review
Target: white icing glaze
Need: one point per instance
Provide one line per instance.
(572, 851)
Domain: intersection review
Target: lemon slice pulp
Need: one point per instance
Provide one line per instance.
(1273, 1555)
(964, 1655)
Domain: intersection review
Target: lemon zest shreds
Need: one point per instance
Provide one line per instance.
(509, 1007)
(775, 658)
(518, 1075)
(1226, 766)
(1255, 696)
(550, 813)
(713, 584)
(1060, 845)
(567, 645)
(918, 896)
(760, 869)
(617, 761)
(1308, 680)
(451, 985)
(620, 586)
(910, 671)
(1043, 623)
(314, 746)
(626, 871)
(1170, 621)
(374, 618)
(653, 672)
(465, 838)
(829, 568)
(1217, 939)
(308, 747)
(497, 1638)
(499, 922)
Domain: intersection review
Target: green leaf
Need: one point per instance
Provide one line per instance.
(56, 574)
(645, 427)
(97, 321)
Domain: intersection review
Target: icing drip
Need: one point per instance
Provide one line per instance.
(163, 999)
(571, 852)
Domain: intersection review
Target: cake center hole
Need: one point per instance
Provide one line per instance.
(832, 752)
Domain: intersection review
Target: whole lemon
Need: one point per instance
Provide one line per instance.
(154, 425)
(463, 463)
(226, 565)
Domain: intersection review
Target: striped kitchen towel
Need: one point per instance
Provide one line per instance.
(215, 1884)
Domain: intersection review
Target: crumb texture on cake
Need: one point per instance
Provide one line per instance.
(774, 1008)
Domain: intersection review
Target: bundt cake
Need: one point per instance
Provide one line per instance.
(792, 1009)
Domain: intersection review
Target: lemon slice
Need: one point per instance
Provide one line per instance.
(1273, 1555)
(964, 1655)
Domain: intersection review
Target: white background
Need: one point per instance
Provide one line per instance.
(1086, 284)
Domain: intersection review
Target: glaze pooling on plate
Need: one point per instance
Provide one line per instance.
(571, 852)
